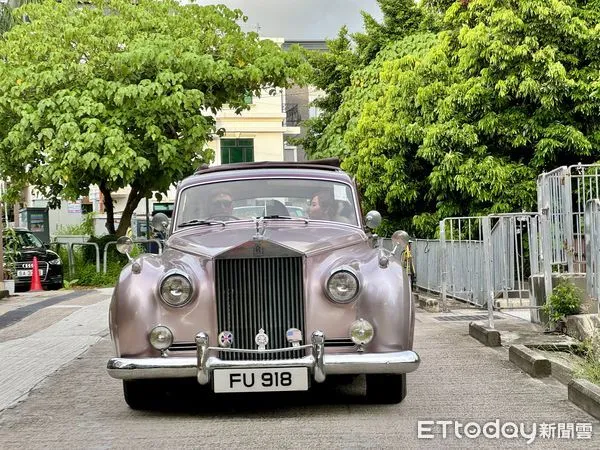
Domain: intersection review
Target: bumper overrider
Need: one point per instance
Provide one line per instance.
(319, 364)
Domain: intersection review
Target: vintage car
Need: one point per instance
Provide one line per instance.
(274, 302)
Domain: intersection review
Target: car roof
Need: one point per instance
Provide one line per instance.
(318, 169)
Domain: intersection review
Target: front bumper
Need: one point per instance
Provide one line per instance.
(317, 362)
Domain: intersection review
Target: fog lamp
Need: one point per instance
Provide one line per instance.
(161, 337)
(361, 332)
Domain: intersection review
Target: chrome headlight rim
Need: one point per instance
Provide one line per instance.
(339, 270)
(165, 278)
(160, 337)
(361, 331)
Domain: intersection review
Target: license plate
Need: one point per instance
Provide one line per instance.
(27, 273)
(260, 380)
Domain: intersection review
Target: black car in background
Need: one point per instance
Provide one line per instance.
(27, 246)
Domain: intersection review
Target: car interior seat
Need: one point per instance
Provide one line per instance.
(276, 208)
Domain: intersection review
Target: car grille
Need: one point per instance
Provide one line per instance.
(260, 293)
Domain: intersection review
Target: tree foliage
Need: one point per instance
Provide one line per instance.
(116, 94)
(461, 121)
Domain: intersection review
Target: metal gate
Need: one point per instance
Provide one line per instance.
(592, 249)
(489, 259)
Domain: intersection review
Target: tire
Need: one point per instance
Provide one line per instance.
(137, 393)
(386, 389)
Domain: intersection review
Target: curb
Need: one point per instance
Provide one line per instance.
(485, 335)
(562, 372)
(529, 361)
(586, 395)
(428, 304)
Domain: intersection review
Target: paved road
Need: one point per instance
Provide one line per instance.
(74, 404)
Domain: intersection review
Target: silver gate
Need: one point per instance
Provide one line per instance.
(487, 260)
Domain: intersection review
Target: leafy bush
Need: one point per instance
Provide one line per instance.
(84, 271)
(564, 301)
(85, 228)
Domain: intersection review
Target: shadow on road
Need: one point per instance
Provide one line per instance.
(187, 397)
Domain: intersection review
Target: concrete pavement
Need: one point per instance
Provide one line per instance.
(79, 406)
(45, 339)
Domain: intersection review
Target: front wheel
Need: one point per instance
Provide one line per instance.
(138, 393)
(386, 389)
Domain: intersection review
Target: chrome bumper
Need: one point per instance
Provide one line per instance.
(317, 362)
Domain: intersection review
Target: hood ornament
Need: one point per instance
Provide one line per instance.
(261, 227)
(261, 339)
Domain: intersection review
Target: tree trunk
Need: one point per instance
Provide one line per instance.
(132, 201)
(110, 209)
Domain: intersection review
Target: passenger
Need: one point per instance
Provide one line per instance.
(322, 206)
(221, 205)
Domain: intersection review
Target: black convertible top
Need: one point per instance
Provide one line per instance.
(332, 164)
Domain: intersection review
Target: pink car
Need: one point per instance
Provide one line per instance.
(274, 302)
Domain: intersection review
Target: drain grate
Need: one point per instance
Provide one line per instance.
(459, 317)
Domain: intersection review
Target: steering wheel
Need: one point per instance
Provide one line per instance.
(222, 217)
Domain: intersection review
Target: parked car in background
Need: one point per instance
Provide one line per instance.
(247, 302)
(20, 246)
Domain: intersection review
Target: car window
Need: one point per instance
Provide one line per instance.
(28, 239)
(245, 199)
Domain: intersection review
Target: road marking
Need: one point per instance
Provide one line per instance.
(65, 306)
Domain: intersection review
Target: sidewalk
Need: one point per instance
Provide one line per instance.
(42, 331)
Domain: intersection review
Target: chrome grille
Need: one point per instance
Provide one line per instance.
(259, 293)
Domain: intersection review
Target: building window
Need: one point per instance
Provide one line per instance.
(237, 150)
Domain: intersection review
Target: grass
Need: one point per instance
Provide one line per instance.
(589, 368)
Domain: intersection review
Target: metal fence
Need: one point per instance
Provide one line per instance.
(562, 197)
(485, 261)
(427, 257)
(592, 249)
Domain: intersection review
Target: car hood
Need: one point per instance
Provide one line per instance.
(42, 254)
(305, 238)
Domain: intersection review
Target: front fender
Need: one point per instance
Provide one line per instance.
(388, 305)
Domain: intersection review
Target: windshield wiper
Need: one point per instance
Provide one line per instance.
(193, 223)
(274, 216)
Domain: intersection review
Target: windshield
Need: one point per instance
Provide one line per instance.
(24, 239)
(247, 199)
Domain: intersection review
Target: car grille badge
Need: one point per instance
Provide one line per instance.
(294, 336)
(261, 339)
(225, 339)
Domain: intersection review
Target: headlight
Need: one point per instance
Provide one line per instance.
(342, 286)
(176, 290)
(161, 337)
(361, 332)
(55, 262)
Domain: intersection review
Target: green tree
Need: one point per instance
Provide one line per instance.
(119, 93)
(7, 8)
(508, 89)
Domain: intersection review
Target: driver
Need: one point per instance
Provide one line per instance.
(221, 205)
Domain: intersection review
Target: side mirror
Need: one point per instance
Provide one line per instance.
(400, 239)
(125, 245)
(160, 222)
(373, 219)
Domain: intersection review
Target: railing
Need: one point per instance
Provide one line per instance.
(592, 249)
(71, 258)
(292, 114)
